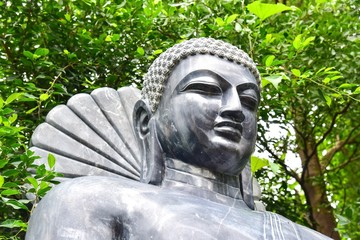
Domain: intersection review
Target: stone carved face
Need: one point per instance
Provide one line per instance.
(207, 115)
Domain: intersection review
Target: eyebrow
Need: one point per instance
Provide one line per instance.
(247, 86)
(207, 72)
(202, 72)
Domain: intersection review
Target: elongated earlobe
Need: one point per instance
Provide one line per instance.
(142, 115)
(152, 162)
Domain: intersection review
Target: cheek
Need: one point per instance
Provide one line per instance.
(202, 113)
(249, 126)
(194, 115)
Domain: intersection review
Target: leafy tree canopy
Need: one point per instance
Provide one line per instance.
(307, 51)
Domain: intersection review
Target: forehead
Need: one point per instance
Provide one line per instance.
(234, 73)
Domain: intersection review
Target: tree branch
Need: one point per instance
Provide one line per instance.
(333, 121)
(344, 164)
(328, 131)
(326, 159)
(7, 50)
(288, 170)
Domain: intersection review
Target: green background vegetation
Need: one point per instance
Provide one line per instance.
(307, 51)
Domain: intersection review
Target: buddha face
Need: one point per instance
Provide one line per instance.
(207, 114)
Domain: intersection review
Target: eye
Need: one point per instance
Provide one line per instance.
(202, 88)
(248, 101)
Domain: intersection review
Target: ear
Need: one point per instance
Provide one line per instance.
(141, 117)
(152, 162)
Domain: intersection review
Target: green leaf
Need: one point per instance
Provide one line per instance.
(51, 160)
(141, 51)
(258, 163)
(12, 97)
(44, 97)
(3, 162)
(328, 69)
(9, 192)
(219, 21)
(7, 111)
(43, 185)
(307, 41)
(108, 38)
(325, 97)
(269, 60)
(10, 185)
(13, 223)
(42, 51)
(44, 188)
(1, 181)
(158, 51)
(35, 56)
(72, 55)
(273, 79)
(147, 11)
(347, 85)
(326, 80)
(67, 17)
(16, 204)
(296, 72)
(13, 118)
(335, 78)
(342, 220)
(231, 18)
(274, 167)
(265, 10)
(28, 54)
(33, 182)
(10, 172)
(7, 131)
(357, 90)
(327, 100)
(41, 171)
(297, 42)
(31, 110)
(115, 37)
(1, 102)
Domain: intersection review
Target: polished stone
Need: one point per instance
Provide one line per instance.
(172, 164)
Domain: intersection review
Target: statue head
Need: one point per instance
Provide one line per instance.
(199, 105)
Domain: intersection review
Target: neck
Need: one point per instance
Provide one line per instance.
(201, 182)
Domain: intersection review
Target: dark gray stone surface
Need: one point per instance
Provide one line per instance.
(93, 208)
(93, 131)
(193, 151)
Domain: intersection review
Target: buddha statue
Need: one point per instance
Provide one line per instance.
(196, 127)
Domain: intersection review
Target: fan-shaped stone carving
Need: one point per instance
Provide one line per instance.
(91, 135)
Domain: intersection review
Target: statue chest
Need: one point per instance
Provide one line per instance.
(113, 208)
(176, 216)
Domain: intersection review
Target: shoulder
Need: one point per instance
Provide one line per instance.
(279, 227)
(96, 193)
(69, 209)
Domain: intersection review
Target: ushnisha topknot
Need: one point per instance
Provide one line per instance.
(160, 70)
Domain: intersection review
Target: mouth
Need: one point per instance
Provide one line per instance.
(229, 129)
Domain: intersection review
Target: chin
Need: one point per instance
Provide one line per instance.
(224, 144)
(230, 157)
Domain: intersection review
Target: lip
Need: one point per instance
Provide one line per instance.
(229, 129)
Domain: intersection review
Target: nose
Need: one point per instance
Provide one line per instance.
(231, 106)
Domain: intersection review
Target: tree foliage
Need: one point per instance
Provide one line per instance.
(307, 53)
